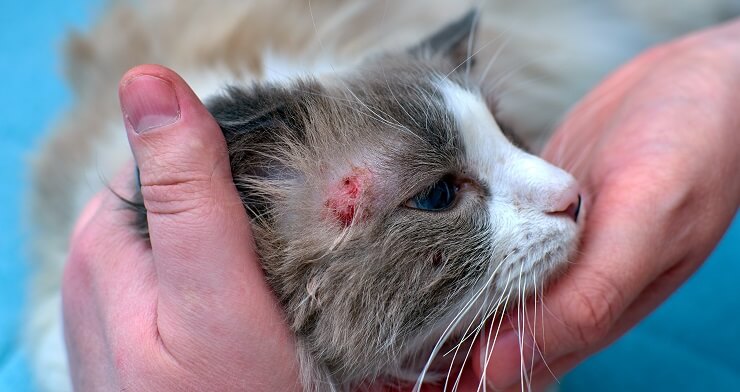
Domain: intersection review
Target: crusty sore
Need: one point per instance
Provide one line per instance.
(348, 199)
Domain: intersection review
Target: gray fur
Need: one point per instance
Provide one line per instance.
(364, 299)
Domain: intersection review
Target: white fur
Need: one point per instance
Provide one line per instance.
(525, 191)
(281, 68)
(110, 152)
(549, 53)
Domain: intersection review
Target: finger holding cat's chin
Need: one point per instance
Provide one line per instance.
(586, 307)
(549, 372)
(542, 373)
(651, 221)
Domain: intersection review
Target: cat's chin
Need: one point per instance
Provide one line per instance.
(443, 368)
(455, 353)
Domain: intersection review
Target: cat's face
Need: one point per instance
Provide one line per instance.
(384, 200)
(389, 208)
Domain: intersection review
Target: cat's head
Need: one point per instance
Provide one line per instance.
(386, 199)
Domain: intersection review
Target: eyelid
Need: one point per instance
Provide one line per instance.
(452, 187)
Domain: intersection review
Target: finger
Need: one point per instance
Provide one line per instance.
(580, 310)
(548, 372)
(103, 289)
(83, 333)
(543, 376)
(209, 278)
(101, 239)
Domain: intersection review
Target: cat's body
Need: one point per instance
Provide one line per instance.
(525, 91)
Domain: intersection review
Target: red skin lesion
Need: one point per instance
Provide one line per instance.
(347, 201)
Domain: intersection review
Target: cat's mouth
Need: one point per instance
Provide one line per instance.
(445, 365)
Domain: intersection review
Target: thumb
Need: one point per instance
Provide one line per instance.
(208, 275)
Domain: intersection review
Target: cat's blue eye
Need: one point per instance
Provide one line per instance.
(439, 197)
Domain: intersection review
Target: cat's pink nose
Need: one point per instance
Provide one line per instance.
(569, 204)
(572, 210)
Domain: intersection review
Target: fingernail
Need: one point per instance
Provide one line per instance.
(149, 102)
(512, 356)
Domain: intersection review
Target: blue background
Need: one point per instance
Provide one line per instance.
(690, 343)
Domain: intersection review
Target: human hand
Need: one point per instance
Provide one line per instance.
(656, 148)
(192, 310)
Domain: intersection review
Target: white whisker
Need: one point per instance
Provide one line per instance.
(488, 352)
(494, 57)
(453, 324)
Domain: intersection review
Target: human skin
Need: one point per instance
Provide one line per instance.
(191, 311)
(654, 146)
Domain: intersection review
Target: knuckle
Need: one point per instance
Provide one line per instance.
(180, 176)
(179, 193)
(81, 248)
(78, 270)
(592, 311)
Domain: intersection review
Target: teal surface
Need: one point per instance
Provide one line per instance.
(691, 343)
(32, 94)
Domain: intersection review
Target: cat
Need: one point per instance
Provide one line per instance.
(387, 196)
(295, 117)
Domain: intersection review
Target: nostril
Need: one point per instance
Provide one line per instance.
(574, 209)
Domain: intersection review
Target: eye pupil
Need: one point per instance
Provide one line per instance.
(439, 197)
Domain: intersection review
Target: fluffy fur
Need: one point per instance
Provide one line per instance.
(534, 57)
(344, 152)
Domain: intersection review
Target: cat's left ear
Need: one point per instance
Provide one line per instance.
(454, 42)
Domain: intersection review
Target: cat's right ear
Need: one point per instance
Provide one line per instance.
(260, 123)
(454, 42)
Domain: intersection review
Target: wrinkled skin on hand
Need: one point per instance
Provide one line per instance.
(655, 146)
(191, 310)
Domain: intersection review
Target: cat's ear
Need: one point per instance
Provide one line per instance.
(260, 124)
(454, 42)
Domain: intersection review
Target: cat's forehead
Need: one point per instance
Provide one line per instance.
(400, 83)
(405, 101)
(458, 127)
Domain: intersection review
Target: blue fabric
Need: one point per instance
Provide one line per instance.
(32, 94)
(689, 344)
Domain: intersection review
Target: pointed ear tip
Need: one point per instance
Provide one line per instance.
(472, 14)
(451, 36)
